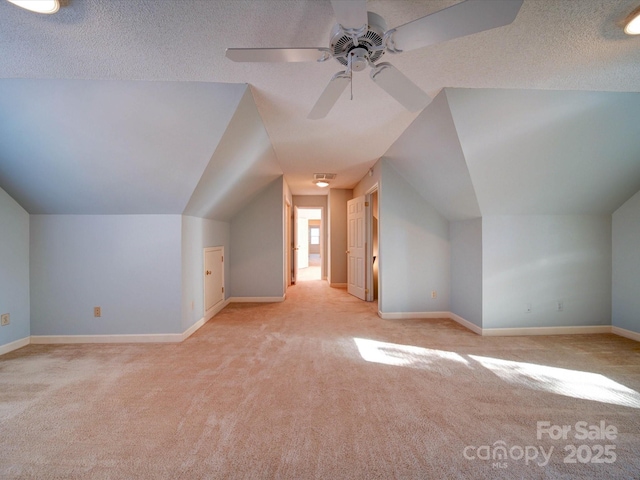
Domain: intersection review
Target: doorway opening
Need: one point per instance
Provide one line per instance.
(375, 252)
(308, 244)
(363, 252)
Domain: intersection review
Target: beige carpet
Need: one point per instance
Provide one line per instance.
(320, 387)
(309, 274)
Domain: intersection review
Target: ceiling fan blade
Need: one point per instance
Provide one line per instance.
(396, 84)
(459, 20)
(278, 54)
(330, 96)
(350, 13)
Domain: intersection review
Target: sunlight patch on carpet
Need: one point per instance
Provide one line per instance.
(403, 355)
(561, 381)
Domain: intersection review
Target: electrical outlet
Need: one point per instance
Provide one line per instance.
(560, 305)
(434, 294)
(528, 308)
(97, 312)
(5, 319)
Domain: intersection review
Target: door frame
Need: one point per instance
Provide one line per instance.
(368, 228)
(288, 245)
(293, 238)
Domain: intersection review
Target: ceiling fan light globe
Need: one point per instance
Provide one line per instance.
(39, 6)
(632, 26)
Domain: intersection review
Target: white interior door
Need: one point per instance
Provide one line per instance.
(213, 279)
(356, 247)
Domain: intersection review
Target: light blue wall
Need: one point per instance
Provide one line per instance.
(414, 249)
(257, 245)
(14, 269)
(466, 269)
(129, 265)
(626, 265)
(541, 259)
(198, 234)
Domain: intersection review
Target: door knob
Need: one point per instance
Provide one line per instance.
(208, 272)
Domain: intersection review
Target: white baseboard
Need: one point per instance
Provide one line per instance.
(508, 332)
(179, 337)
(127, 338)
(529, 331)
(407, 315)
(10, 347)
(465, 323)
(194, 328)
(257, 299)
(626, 333)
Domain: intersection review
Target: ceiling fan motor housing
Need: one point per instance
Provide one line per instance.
(342, 44)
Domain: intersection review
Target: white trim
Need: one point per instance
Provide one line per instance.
(626, 333)
(193, 328)
(338, 285)
(374, 188)
(508, 332)
(126, 338)
(213, 311)
(466, 323)
(10, 347)
(528, 331)
(179, 337)
(217, 308)
(257, 299)
(141, 338)
(406, 315)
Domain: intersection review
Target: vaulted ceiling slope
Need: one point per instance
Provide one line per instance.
(552, 44)
(429, 156)
(242, 165)
(109, 147)
(547, 152)
(479, 152)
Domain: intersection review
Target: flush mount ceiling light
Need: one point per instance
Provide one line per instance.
(321, 179)
(38, 6)
(632, 25)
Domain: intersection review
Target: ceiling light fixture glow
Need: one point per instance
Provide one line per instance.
(632, 26)
(38, 6)
(322, 184)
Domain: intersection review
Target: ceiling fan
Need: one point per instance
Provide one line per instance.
(360, 39)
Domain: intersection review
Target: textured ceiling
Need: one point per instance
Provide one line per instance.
(552, 44)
